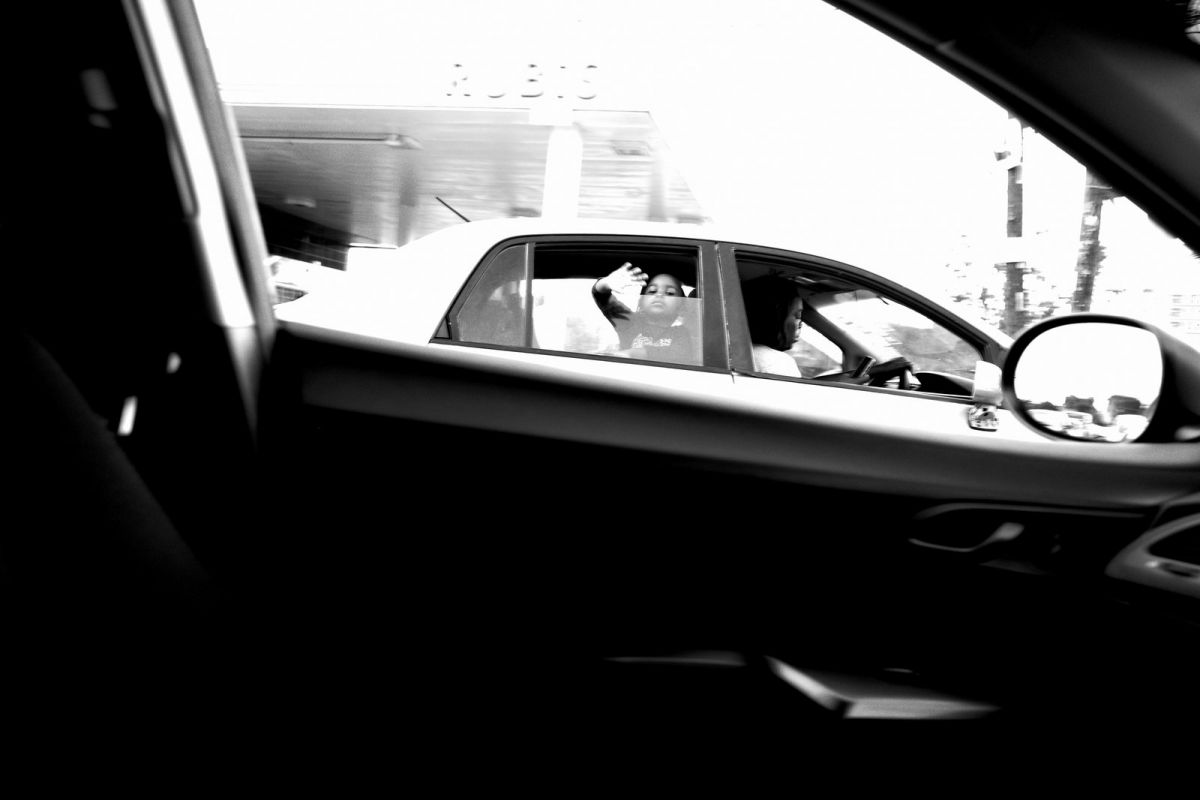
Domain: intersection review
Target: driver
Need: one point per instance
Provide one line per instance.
(773, 309)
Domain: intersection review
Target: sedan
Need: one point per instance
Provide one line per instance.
(867, 349)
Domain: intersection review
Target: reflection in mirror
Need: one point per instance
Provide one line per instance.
(1097, 381)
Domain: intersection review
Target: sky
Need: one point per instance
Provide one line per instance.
(751, 96)
(786, 117)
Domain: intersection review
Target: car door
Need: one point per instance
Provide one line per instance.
(591, 533)
(446, 543)
(560, 530)
(850, 316)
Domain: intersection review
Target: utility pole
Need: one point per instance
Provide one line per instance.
(1091, 253)
(1016, 317)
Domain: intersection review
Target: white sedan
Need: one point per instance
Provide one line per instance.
(868, 351)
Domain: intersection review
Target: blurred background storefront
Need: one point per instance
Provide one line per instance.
(349, 172)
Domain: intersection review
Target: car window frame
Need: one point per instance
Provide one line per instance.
(713, 350)
(740, 353)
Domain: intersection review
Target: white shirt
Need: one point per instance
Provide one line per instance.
(768, 359)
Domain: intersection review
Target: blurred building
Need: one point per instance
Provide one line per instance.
(373, 170)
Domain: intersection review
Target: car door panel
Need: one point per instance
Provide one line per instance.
(616, 522)
(888, 409)
(844, 453)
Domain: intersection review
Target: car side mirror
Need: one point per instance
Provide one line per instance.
(1103, 378)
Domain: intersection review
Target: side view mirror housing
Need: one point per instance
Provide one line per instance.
(1103, 378)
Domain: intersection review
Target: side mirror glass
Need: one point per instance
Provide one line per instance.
(1095, 379)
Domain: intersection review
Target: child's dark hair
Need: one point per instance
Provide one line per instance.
(767, 301)
(678, 283)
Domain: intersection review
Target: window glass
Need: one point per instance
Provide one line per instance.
(826, 324)
(889, 330)
(791, 122)
(656, 315)
(494, 311)
(566, 318)
(815, 354)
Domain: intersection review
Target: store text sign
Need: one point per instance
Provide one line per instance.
(528, 82)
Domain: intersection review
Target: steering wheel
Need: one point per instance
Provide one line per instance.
(876, 374)
(884, 371)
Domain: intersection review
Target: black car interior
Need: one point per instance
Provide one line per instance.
(394, 551)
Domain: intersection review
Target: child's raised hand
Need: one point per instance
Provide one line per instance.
(623, 278)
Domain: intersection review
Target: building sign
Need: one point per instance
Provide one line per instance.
(523, 85)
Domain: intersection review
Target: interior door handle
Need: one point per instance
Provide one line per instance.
(1004, 532)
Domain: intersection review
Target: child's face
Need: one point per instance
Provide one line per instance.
(661, 297)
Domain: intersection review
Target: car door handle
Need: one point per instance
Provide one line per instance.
(1004, 532)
